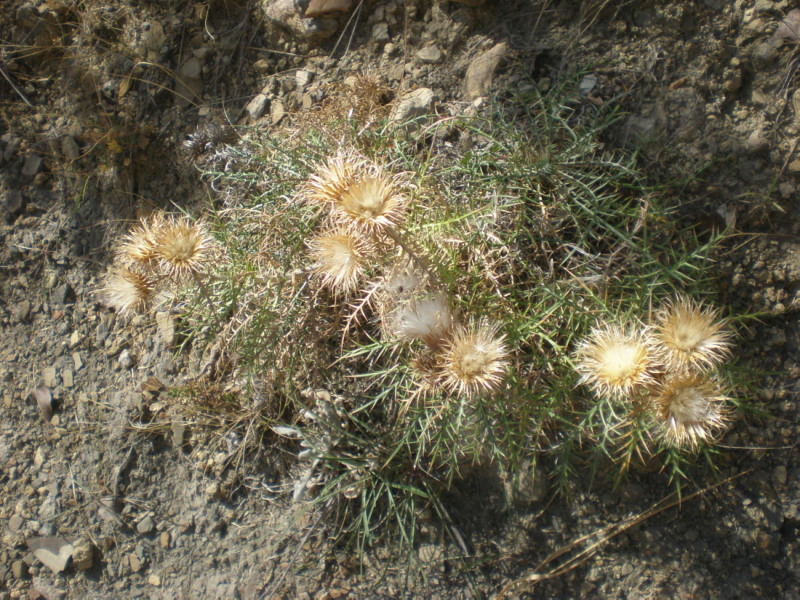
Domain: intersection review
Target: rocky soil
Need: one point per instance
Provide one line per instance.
(108, 487)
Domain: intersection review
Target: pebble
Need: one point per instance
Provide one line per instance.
(66, 376)
(19, 569)
(430, 55)
(166, 328)
(125, 359)
(277, 112)
(380, 32)
(154, 580)
(49, 377)
(74, 339)
(163, 540)
(135, 563)
(70, 147)
(77, 361)
(15, 523)
(256, 107)
(33, 162)
(83, 556)
(146, 525)
(780, 475)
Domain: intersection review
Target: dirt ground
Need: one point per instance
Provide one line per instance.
(97, 101)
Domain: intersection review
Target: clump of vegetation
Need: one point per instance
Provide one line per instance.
(412, 309)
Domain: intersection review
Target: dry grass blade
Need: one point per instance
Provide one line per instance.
(592, 542)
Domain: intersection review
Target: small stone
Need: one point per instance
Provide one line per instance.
(318, 8)
(380, 32)
(154, 580)
(19, 569)
(135, 563)
(15, 523)
(52, 552)
(39, 457)
(125, 359)
(83, 556)
(33, 162)
(262, 66)
(49, 377)
(178, 434)
(45, 590)
(277, 112)
(66, 376)
(70, 148)
(166, 328)
(256, 107)
(74, 339)
(12, 202)
(767, 51)
(63, 295)
(794, 166)
(780, 475)
(77, 361)
(163, 540)
(146, 525)
(303, 78)
(430, 55)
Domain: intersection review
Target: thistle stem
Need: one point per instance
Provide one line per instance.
(418, 259)
(204, 289)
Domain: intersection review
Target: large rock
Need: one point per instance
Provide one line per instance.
(481, 70)
(290, 14)
(413, 105)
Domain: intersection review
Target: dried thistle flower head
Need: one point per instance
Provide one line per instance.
(474, 359)
(371, 204)
(138, 247)
(691, 336)
(334, 178)
(361, 195)
(616, 362)
(692, 408)
(182, 246)
(339, 260)
(127, 291)
(428, 318)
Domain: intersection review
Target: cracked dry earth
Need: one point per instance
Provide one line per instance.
(114, 493)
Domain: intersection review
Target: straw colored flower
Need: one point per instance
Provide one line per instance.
(428, 318)
(182, 246)
(692, 408)
(616, 362)
(127, 291)
(474, 360)
(334, 178)
(371, 204)
(138, 247)
(339, 260)
(691, 336)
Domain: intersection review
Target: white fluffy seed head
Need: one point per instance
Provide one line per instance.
(616, 362)
(429, 318)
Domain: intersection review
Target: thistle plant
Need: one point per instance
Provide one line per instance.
(451, 331)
